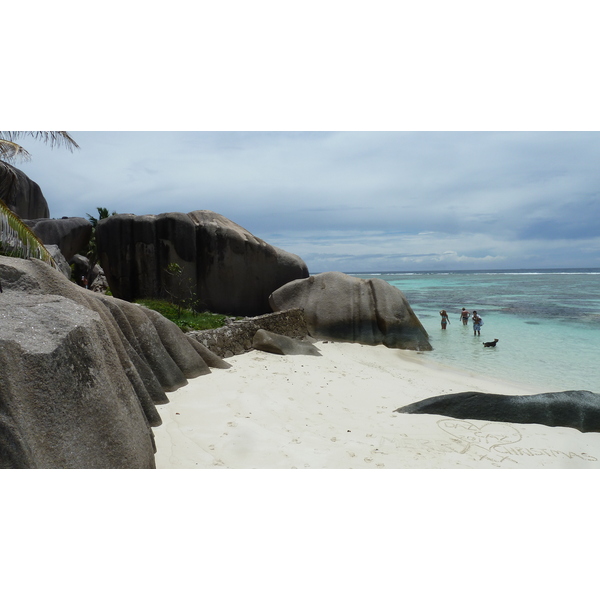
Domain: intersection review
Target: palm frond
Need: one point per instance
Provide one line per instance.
(53, 138)
(16, 239)
(10, 150)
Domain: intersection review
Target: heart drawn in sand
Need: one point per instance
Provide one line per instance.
(487, 436)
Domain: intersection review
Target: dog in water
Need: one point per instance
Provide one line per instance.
(490, 344)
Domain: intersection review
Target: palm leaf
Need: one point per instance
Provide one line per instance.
(9, 149)
(16, 239)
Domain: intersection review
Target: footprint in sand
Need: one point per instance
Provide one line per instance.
(352, 454)
(368, 459)
(211, 447)
(296, 441)
(231, 424)
(334, 439)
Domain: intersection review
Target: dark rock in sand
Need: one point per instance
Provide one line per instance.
(225, 268)
(579, 409)
(340, 307)
(81, 373)
(276, 343)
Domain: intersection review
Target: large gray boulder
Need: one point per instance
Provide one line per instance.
(579, 409)
(70, 234)
(24, 196)
(81, 373)
(340, 307)
(225, 268)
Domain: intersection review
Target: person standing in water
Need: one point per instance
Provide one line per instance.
(477, 323)
(464, 315)
(445, 318)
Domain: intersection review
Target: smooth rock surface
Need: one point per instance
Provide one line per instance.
(224, 267)
(340, 307)
(71, 234)
(25, 197)
(579, 409)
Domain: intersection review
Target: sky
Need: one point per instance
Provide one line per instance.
(352, 201)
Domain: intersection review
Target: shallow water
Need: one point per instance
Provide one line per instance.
(547, 322)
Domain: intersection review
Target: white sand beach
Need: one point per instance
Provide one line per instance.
(337, 411)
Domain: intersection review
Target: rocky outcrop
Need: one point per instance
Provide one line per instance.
(24, 196)
(59, 259)
(70, 234)
(578, 409)
(343, 308)
(267, 341)
(80, 267)
(81, 373)
(236, 337)
(224, 267)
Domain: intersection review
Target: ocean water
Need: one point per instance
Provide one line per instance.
(547, 322)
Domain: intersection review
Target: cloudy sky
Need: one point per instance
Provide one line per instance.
(352, 201)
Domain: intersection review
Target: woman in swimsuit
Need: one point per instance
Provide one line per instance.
(445, 318)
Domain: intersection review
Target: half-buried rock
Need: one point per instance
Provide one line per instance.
(340, 307)
(579, 409)
(276, 343)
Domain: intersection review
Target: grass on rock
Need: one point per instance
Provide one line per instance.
(186, 320)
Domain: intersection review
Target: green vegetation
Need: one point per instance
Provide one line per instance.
(182, 291)
(185, 319)
(91, 252)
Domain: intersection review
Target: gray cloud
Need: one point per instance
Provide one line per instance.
(400, 200)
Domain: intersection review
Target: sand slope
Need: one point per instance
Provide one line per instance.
(337, 411)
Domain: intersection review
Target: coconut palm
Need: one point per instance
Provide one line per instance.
(16, 239)
(92, 248)
(11, 151)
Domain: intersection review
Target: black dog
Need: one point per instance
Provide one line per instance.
(490, 344)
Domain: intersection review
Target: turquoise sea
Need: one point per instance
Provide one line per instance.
(547, 322)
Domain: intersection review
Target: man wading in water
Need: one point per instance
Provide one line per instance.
(477, 323)
(464, 315)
